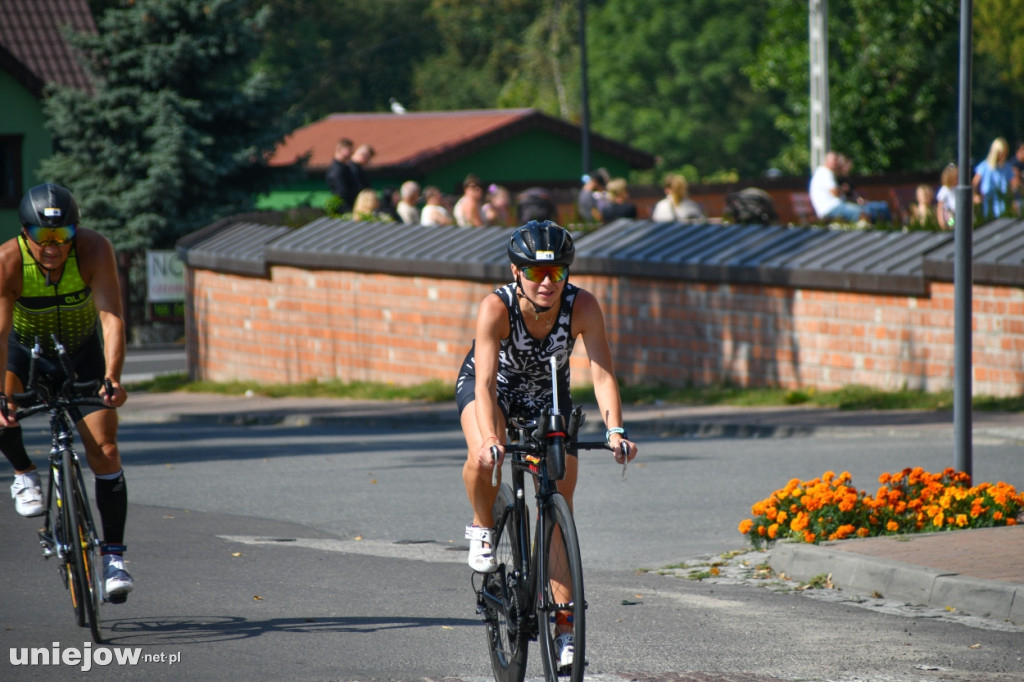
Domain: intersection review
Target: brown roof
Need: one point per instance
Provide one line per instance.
(32, 45)
(426, 140)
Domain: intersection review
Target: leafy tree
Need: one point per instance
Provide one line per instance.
(667, 78)
(482, 48)
(178, 128)
(347, 55)
(893, 74)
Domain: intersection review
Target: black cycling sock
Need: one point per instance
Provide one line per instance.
(112, 502)
(13, 448)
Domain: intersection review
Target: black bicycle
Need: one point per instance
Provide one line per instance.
(69, 533)
(537, 589)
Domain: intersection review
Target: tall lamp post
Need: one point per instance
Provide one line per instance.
(584, 92)
(963, 235)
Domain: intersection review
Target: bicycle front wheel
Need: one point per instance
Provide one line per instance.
(87, 556)
(506, 599)
(65, 536)
(562, 610)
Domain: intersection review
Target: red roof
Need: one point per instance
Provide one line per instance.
(32, 45)
(425, 140)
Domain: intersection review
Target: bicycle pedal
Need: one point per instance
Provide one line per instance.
(117, 598)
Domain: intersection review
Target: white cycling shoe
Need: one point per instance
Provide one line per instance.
(28, 494)
(481, 557)
(565, 644)
(117, 582)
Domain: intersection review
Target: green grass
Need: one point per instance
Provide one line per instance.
(846, 398)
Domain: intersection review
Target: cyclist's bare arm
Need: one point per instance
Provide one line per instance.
(588, 323)
(10, 290)
(99, 270)
(491, 327)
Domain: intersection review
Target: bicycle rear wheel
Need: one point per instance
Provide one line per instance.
(87, 558)
(562, 610)
(507, 639)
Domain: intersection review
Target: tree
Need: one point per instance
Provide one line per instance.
(893, 81)
(347, 55)
(667, 78)
(178, 129)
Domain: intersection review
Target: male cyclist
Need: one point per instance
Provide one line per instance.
(59, 278)
(506, 372)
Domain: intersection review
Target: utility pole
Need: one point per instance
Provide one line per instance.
(817, 19)
(584, 92)
(963, 276)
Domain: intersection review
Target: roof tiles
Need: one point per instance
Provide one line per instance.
(31, 32)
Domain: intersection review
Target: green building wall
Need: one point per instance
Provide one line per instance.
(22, 114)
(535, 157)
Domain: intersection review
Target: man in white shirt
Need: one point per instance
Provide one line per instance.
(827, 196)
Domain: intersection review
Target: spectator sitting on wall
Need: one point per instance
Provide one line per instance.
(827, 195)
(619, 205)
(677, 206)
(367, 207)
(409, 195)
(469, 209)
(592, 197)
(435, 213)
(535, 203)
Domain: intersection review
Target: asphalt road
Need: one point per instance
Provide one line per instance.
(326, 553)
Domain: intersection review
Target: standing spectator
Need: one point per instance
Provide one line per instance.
(677, 206)
(993, 180)
(591, 198)
(496, 210)
(360, 157)
(434, 214)
(339, 174)
(410, 196)
(827, 195)
(469, 210)
(619, 205)
(945, 208)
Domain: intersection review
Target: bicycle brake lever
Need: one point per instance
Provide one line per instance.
(494, 467)
(624, 447)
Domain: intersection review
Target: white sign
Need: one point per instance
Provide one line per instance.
(165, 277)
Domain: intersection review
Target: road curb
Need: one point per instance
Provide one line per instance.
(896, 580)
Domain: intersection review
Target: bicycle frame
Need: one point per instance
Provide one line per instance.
(69, 531)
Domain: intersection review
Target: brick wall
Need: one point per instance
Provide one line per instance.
(300, 324)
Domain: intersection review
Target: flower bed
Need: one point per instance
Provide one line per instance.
(830, 508)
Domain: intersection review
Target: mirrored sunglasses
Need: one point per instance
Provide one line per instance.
(537, 273)
(45, 236)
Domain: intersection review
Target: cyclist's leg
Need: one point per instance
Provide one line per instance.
(476, 478)
(98, 431)
(26, 489)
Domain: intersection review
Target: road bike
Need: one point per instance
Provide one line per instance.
(537, 590)
(69, 533)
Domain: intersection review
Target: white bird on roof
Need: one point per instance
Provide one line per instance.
(396, 107)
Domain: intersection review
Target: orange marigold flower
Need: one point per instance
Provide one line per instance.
(745, 526)
(761, 531)
(884, 478)
(998, 516)
(863, 532)
(1011, 521)
(892, 526)
(810, 537)
(773, 531)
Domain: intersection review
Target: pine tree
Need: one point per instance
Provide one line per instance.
(178, 129)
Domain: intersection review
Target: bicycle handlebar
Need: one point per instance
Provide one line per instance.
(39, 398)
(532, 448)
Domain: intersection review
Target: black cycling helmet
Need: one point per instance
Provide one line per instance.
(541, 243)
(48, 205)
